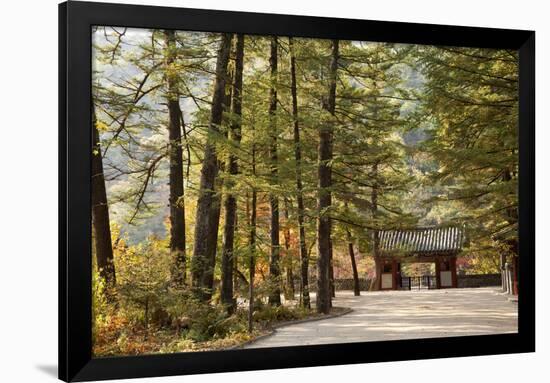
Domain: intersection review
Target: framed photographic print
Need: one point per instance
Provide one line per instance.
(282, 191)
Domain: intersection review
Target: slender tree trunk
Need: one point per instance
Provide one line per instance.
(212, 245)
(100, 217)
(252, 244)
(331, 271)
(289, 291)
(375, 234)
(176, 199)
(304, 259)
(238, 277)
(252, 261)
(209, 172)
(231, 201)
(146, 318)
(356, 288)
(274, 266)
(325, 198)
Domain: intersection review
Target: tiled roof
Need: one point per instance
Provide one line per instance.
(424, 241)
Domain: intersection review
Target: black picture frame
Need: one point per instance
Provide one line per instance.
(75, 358)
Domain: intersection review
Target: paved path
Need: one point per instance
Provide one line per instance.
(388, 315)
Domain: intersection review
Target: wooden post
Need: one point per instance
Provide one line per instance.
(437, 273)
(452, 264)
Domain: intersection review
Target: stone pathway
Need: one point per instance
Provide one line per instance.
(390, 315)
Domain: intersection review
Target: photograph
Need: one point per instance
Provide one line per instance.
(263, 191)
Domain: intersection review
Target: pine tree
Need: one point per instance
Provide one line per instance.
(209, 172)
(325, 182)
(231, 201)
(177, 202)
(274, 266)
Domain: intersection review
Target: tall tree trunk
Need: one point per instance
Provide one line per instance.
(274, 267)
(216, 207)
(331, 271)
(213, 231)
(304, 259)
(209, 172)
(325, 198)
(252, 261)
(238, 277)
(289, 290)
(100, 216)
(176, 199)
(356, 288)
(375, 234)
(252, 244)
(231, 201)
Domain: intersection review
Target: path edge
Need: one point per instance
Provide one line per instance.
(273, 329)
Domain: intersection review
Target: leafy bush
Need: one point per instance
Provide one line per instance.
(268, 314)
(152, 315)
(143, 277)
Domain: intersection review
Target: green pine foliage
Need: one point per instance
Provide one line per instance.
(470, 108)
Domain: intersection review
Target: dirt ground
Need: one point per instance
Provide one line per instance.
(389, 315)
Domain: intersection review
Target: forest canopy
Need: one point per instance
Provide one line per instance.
(233, 174)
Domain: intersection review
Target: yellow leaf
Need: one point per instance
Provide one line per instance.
(101, 126)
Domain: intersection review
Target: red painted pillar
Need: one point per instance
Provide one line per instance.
(399, 276)
(378, 273)
(452, 264)
(394, 274)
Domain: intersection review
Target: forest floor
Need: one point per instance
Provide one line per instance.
(391, 315)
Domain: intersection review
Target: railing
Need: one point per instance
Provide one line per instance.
(418, 282)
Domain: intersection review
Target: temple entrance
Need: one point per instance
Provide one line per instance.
(403, 251)
(418, 276)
